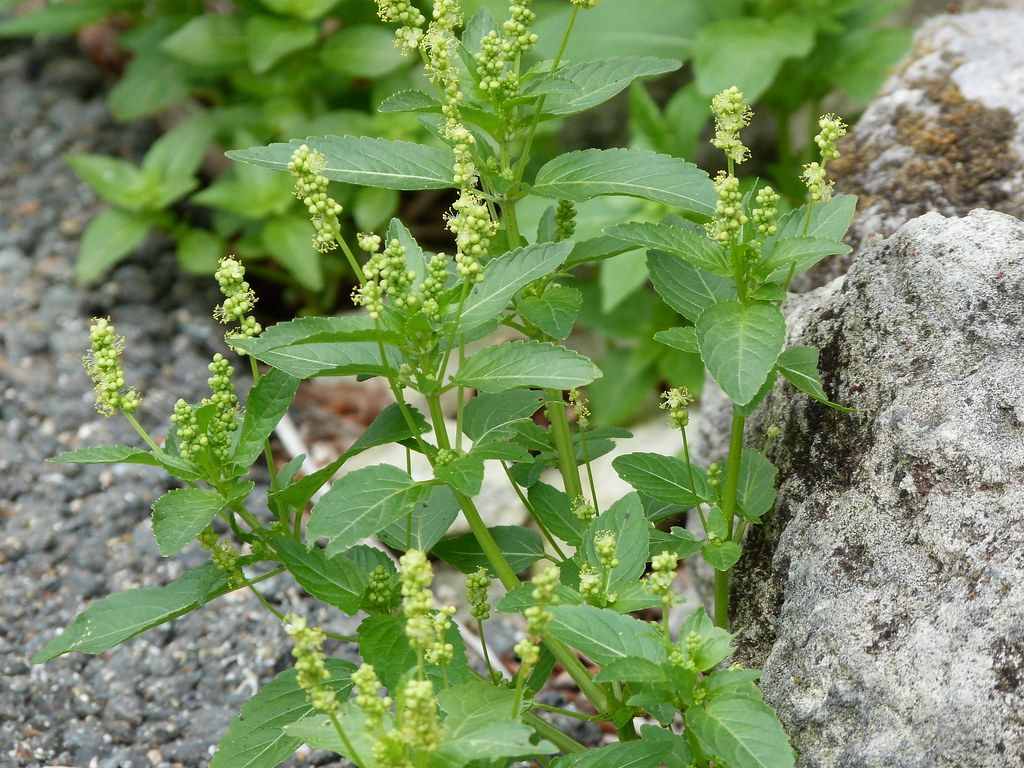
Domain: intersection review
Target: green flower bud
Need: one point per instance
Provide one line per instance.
(239, 298)
(663, 573)
(729, 217)
(421, 727)
(309, 663)
(583, 510)
(477, 585)
(732, 114)
(311, 188)
(367, 695)
(677, 402)
(565, 220)
(766, 210)
(409, 34)
(103, 364)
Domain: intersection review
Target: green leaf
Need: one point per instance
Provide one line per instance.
(631, 670)
(756, 492)
(366, 161)
(554, 510)
(715, 643)
(625, 754)
(409, 101)
(687, 290)
(829, 221)
(56, 20)
(289, 239)
(343, 327)
(554, 311)
(256, 736)
(526, 364)
(865, 58)
(302, 9)
(347, 350)
(116, 181)
(739, 344)
(579, 176)
(743, 732)
(181, 515)
(684, 339)
(249, 192)
(522, 547)
(106, 454)
(799, 366)
(680, 541)
(383, 643)
(465, 474)
(269, 39)
(361, 504)
(490, 419)
(721, 555)
(498, 739)
(121, 616)
(199, 252)
(627, 521)
(595, 82)
(430, 518)
(209, 40)
(620, 277)
(336, 581)
(604, 635)
(362, 50)
(372, 208)
(682, 241)
(318, 732)
(151, 82)
(506, 275)
(665, 478)
(748, 52)
(797, 255)
(266, 405)
(595, 249)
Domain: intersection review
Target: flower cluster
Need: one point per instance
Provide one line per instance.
(307, 167)
(581, 407)
(239, 298)
(584, 3)
(309, 663)
(583, 510)
(380, 591)
(421, 727)
(225, 406)
(386, 275)
(815, 175)
(103, 364)
(477, 584)
(225, 557)
(433, 285)
(732, 115)
(565, 220)
(411, 19)
(729, 217)
(766, 211)
(473, 229)
(498, 50)
(677, 402)
(367, 689)
(538, 617)
(186, 427)
(424, 626)
(594, 583)
(683, 655)
(659, 582)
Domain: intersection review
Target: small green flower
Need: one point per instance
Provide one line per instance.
(565, 220)
(368, 698)
(424, 627)
(225, 403)
(411, 19)
(103, 364)
(815, 175)
(732, 115)
(729, 217)
(663, 572)
(421, 727)
(766, 210)
(309, 663)
(583, 510)
(381, 591)
(477, 585)
(311, 188)
(239, 298)
(473, 229)
(581, 406)
(592, 585)
(190, 441)
(584, 4)
(677, 402)
(819, 185)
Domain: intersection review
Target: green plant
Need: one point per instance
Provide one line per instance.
(727, 274)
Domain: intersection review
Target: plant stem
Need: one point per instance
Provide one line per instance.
(565, 712)
(142, 433)
(483, 645)
(562, 438)
(268, 453)
(563, 741)
(352, 261)
(345, 740)
(729, 487)
(533, 512)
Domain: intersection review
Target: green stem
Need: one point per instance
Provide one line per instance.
(345, 740)
(562, 438)
(693, 485)
(533, 512)
(563, 741)
(730, 485)
(565, 712)
(352, 260)
(590, 473)
(483, 645)
(268, 454)
(142, 433)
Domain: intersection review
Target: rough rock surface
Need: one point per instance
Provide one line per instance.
(885, 596)
(946, 134)
(72, 534)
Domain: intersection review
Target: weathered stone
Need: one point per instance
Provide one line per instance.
(946, 134)
(885, 595)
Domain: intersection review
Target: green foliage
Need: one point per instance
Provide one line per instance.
(725, 268)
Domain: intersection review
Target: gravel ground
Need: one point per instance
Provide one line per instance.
(71, 534)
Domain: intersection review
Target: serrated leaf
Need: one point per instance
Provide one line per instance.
(687, 290)
(106, 454)
(554, 311)
(579, 176)
(631, 670)
(505, 275)
(665, 478)
(266, 405)
(409, 101)
(604, 635)
(554, 510)
(682, 338)
(680, 541)
(522, 547)
(796, 255)
(739, 344)
(743, 732)
(181, 515)
(682, 241)
(493, 418)
(721, 555)
(465, 474)
(595, 82)
(361, 504)
(799, 366)
(526, 364)
(430, 518)
(336, 581)
(625, 754)
(319, 732)
(363, 160)
(123, 615)
(256, 737)
(383, 643)
(828, 220)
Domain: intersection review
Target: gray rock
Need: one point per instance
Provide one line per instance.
(946, 134)
(885, 596)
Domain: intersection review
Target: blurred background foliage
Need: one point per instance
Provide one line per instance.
(222, 74)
